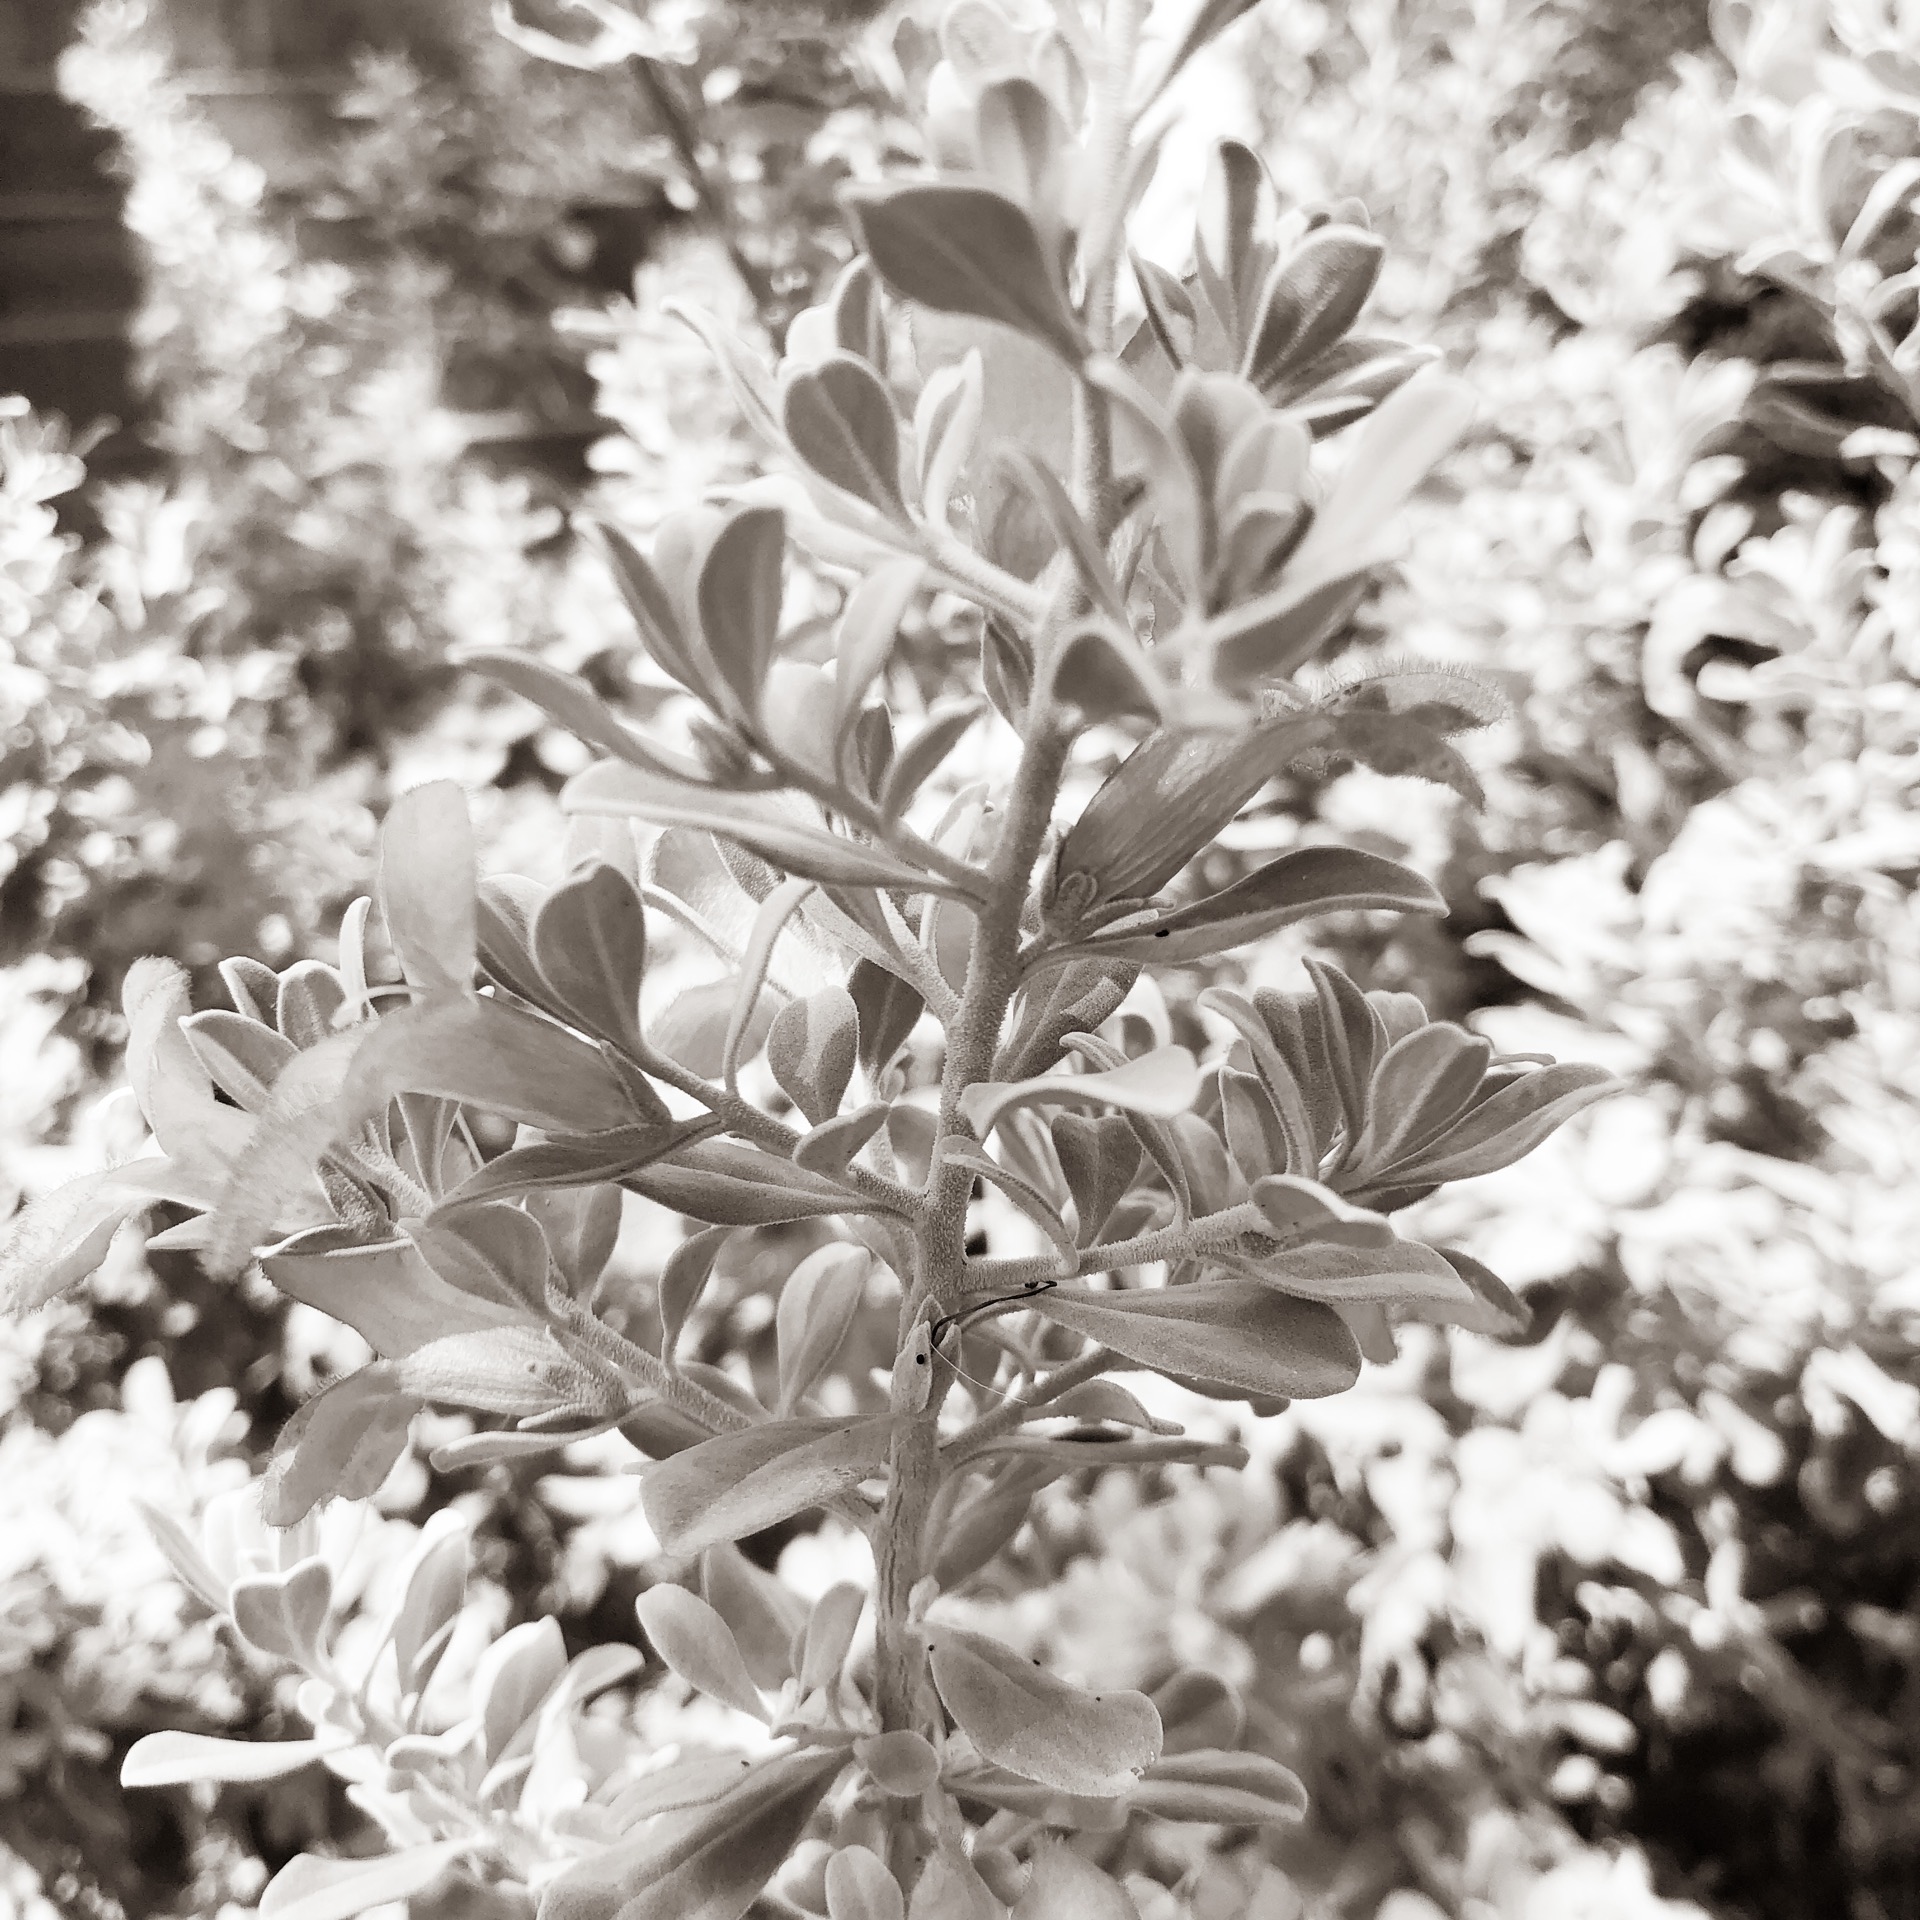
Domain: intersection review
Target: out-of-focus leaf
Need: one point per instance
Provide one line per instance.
(1065, 1886)
(1023, 1718)
(869, 626)
(567, 700)
(1166, 1081)
(859, 1887)
(340, 1444)
(903, 1763)
(1224, 1789)
(764, 1616)
(310, 1888)
(426, 890)
(589, 941)
(171, 1759)
(387, 1293)
(741, 585)
(818, 1304)
(731, 1185)
(966, 249)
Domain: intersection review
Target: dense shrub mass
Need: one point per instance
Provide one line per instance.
(1615, 1617)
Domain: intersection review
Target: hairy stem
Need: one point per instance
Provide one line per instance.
(1211, 1233)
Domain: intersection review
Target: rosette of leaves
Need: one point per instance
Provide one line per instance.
(436, 1150)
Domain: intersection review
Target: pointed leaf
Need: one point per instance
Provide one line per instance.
(568, 1161)
(1047, 492)
(1099, 1158)
(695, 1642)
(689, 1267)
(340, 1444)
(589, 941)
(764, 1616)
(741, 1483)
(57, 1240)
(812, 1048)
(829, 1636)
(949, 1888)
(966, 249)
(569, 702)
(829, 1148)
(916, 762)
(1229, 1329)
(1023, 1718)
(1507, 1125)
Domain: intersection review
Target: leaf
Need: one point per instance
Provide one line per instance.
(1212, 20)
(839, 419)
(519, 1371)
(888, 1009)
(1297, 886)
(812, 1048)
(818, 1304)
(1065, 1886)
(864, 639)
(829, 1636)
(1107, 1402)
(946, 423)
(1197, 1709)
(762, 825)
(830, 1147)
(764, 1616)
(949, 1888)
(171, 1759)
(1497, 1311)
(285, 1614)
(859, 1887)
(1103, 672)
(1044, 488)
(904, 1764)
(340, 1444)
(915, 763)
(1506, 1126)
(569, 702)
(695, 1642)
(651, 605)
(1018, 137)
(512, 1680)
(1402, 746)
(741, 1483)
(708, 1863)
(1163, 1082)
(1227, 1328)
(430, 1603)
(1222, 1789)
(311, 1888)
(568, 1161)
(485, 1053)
(1099, 1158)
(426, 887)
(1028, 1721)
(966, 249)
(740, 592)
(682, 1280)
(742, 1188)
(54, 1242)
(1311, 300)
(589, 940)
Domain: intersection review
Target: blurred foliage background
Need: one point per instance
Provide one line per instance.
(1621, 1620)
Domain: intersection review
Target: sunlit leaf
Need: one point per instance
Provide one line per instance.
(695, 1642)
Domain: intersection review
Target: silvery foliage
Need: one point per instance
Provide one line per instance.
(1133, 525)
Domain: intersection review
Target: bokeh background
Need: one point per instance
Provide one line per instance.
(327, 319)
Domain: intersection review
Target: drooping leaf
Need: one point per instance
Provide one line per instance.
(740, 1483)
(830, 1147)
(1025, 1719)
(1105, 674)
(839, 419)
(569, 1161)
(695, 1642)
(1226, 1328)
(966, 249)
(426, 890)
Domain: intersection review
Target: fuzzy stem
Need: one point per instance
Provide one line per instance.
(1208, 1234)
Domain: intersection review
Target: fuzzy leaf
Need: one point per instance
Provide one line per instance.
(436, 1590)
(949, 1888)
(1103, 672)
(708, 1863)
(812, 1048)
(732, 1185)
(966, 249)
(819, 1302)
(568, 1161)
(387, 1293)
(1505, 1126)
(741, 584)
(695, 1642)
(427, 882)
(762, 825)
(1296, 886)
(839, 419)
(1164, 1082)
(1099, 1157)
(589, 941)
(57, 1240)
(340, 1444)
(764, 1616)
(285, 1614)
(741, 1483)
(1227, 1328)
(829, 1636)
(1225, 1789)
(904, 1764)
(1023, 1718)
